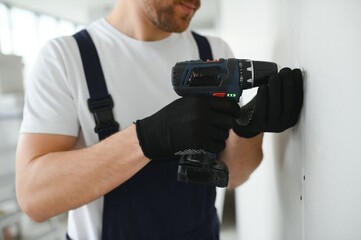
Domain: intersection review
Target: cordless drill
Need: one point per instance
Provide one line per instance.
(218, 78)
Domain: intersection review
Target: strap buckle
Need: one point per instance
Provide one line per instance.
(105, 124)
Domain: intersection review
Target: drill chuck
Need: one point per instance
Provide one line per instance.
(255, 73)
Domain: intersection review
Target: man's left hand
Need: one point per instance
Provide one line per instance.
(277, 105)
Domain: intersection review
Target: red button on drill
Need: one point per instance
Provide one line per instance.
(219, 94)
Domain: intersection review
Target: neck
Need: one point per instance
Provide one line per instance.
(129, 18)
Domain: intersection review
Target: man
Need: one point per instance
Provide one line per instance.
(62, 167)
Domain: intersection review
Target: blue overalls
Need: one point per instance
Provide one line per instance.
(152, 205)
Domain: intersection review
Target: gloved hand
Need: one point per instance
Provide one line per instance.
(192, 122)
(276, 107)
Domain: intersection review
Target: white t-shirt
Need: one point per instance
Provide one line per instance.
(138, 77)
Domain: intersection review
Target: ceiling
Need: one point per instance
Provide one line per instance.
(85, 11)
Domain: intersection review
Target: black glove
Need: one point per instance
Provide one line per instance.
(200, 123)
(276, 107)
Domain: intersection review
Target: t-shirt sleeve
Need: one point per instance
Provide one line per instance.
(49, 103)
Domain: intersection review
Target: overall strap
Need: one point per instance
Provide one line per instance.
(100, 102)
(204, 48)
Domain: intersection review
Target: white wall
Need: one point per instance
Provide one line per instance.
(308, 184)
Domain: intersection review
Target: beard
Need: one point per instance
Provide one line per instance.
(164, 15)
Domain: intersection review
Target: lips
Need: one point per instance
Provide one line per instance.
(188, 8)
(189, 5)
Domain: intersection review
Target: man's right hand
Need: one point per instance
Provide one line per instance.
(193, 122)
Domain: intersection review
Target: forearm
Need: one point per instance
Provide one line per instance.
(59, 181)
(242, 156)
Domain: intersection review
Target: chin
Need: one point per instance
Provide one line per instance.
(178, 28)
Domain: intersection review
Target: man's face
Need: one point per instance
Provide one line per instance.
(171, 15)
